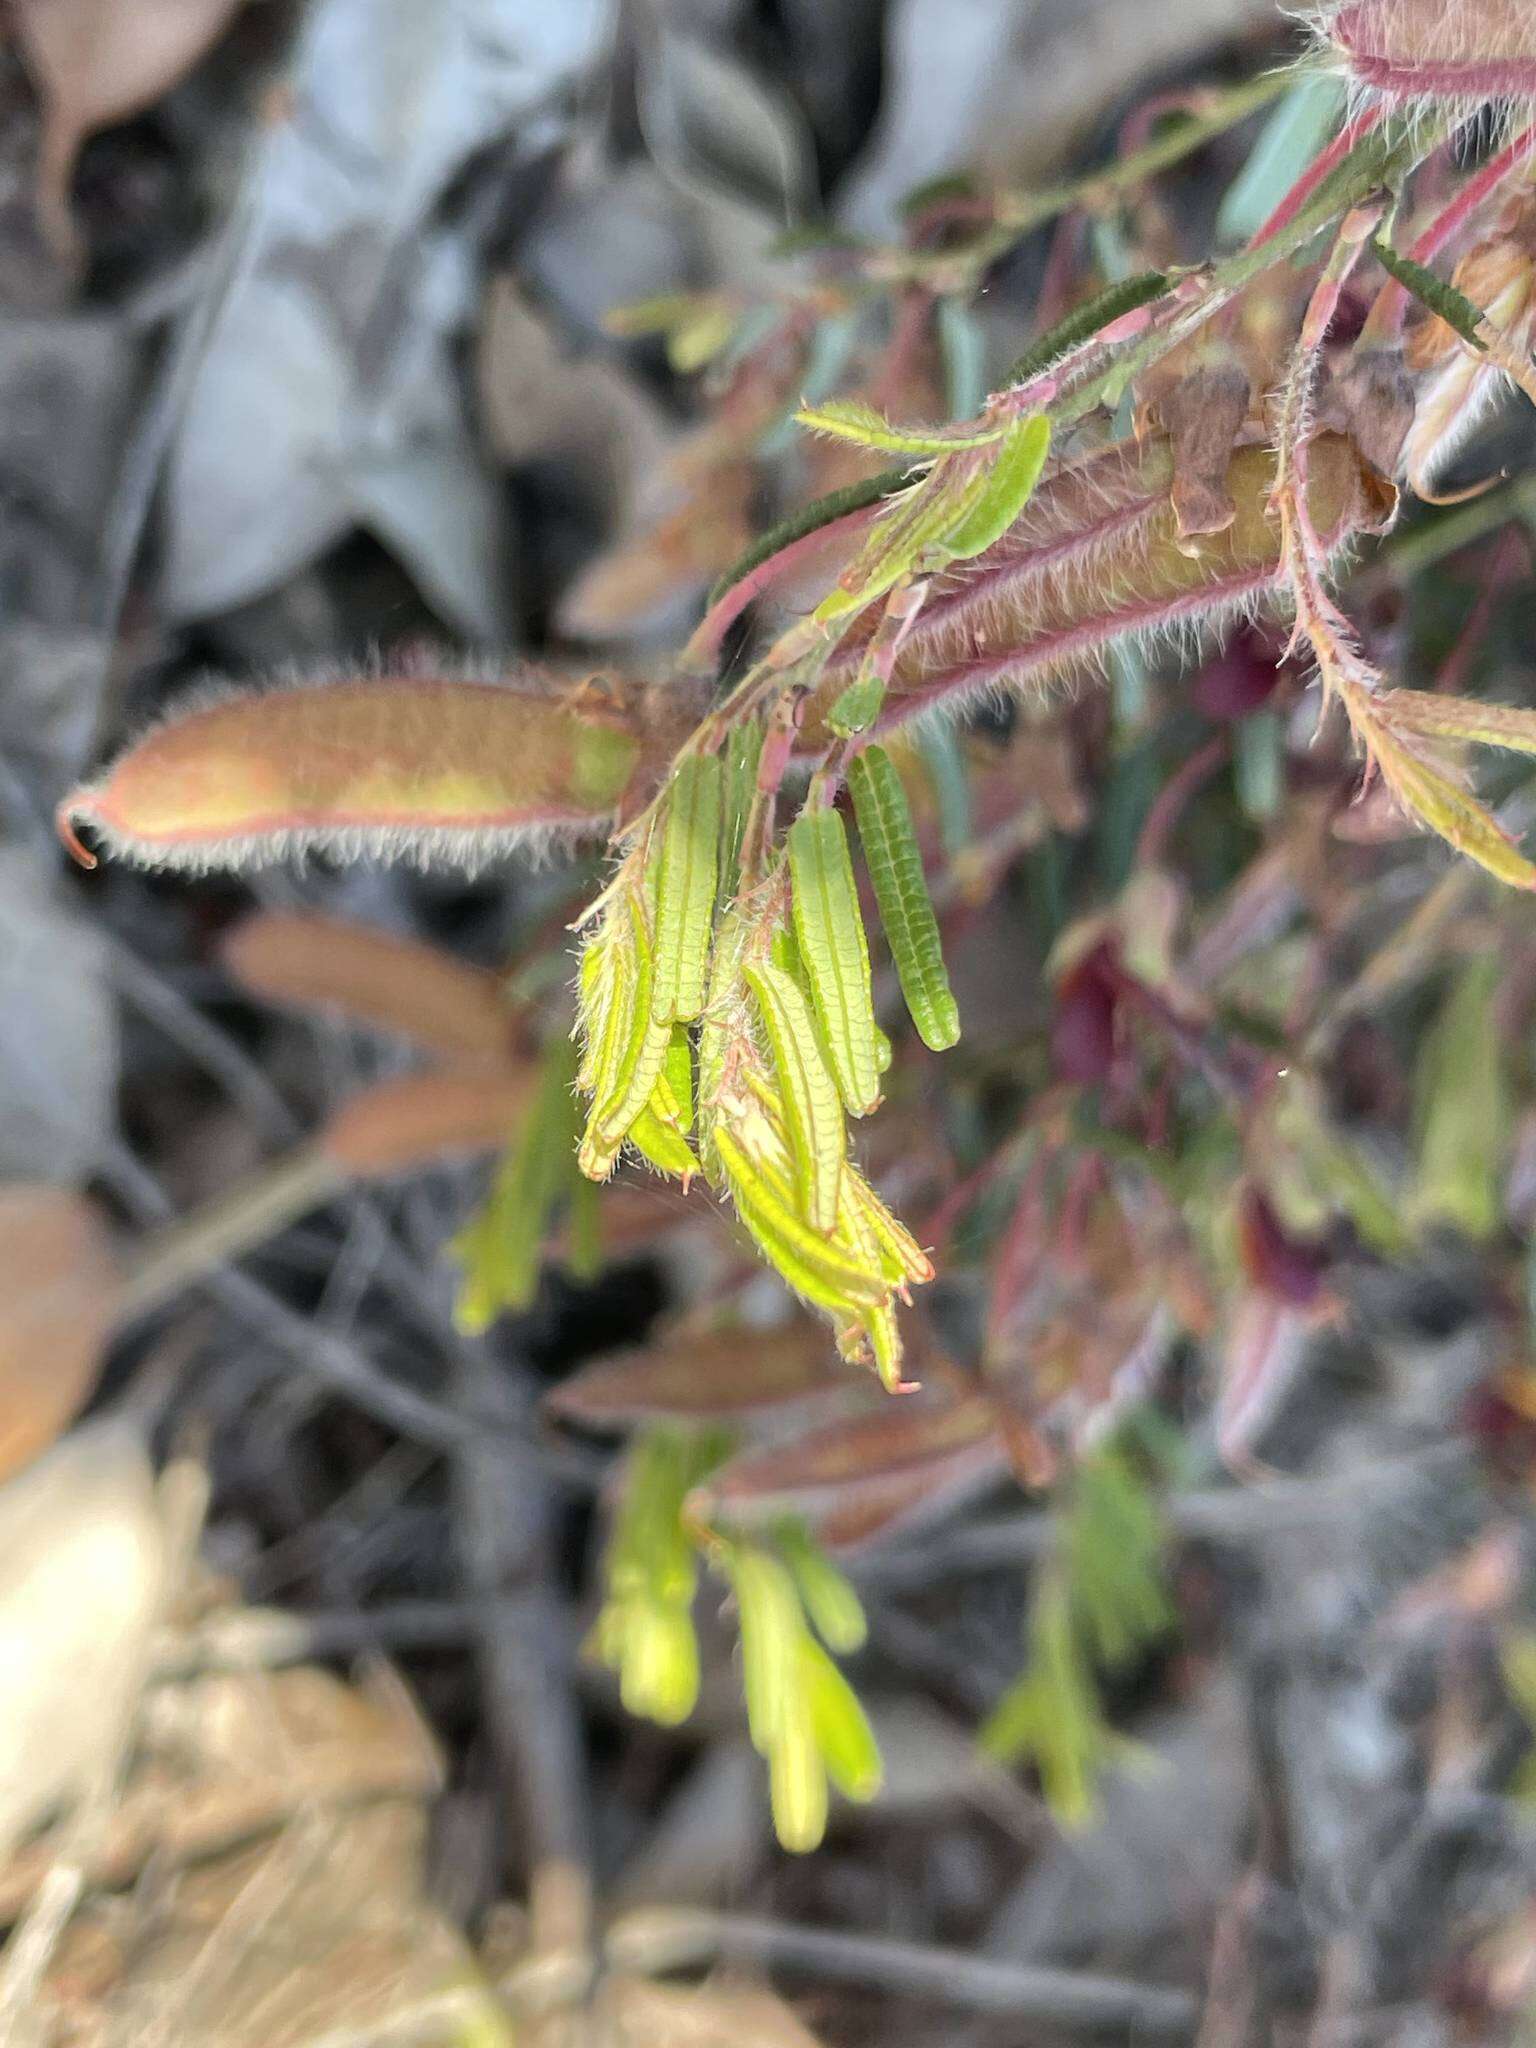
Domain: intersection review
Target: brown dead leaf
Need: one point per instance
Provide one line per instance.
(376, 978)
(854, 1479)
(412, 1122)
(95, 62)
(60, 1284)
(696, 1372)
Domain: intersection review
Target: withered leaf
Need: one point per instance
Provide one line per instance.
(392, 983)
(856, 1478)
(703, 1374)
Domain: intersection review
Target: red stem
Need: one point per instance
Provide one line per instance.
(1320, 168)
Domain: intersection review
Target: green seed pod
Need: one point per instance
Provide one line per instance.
(812, 1111)
(896, 871)
(835, 953)
(685, 876)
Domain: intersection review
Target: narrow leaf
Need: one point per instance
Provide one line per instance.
(834, 1607)
(399, 1126)
(1443, 299)
(1459, 819)
(896, 872)
(816, 1268)
(1508, 726)
(771, 1633)
(695, 1373)
(846, 419)
(1085, 322)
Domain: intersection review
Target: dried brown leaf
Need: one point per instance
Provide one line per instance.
(59, 1289)
(95, 63)
(394, 984)
(854, 1479)
(401, 1125)
(703, 1374)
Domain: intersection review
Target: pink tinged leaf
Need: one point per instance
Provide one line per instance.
(704, 1375)
(375, 978)
(1083, 1019)
(451, 772)
(1263, 1350)
(855, 1479)
(1289, 1268)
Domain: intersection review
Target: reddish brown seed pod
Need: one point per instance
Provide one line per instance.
(1096, 557)
(1456, 50)
(389, 768)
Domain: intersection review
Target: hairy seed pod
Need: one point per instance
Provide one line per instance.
(830, 933)
(896, 870)
(446, 771)
(1455, 50)
(1096, 557)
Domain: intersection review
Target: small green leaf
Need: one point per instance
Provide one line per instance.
(661, 1145)
(743, 751)
(797, 1782)
(1010, 483)
(858, 707)
(645, 1045)
(814, 1266)
(772, 1629)
(896, 871)
(835, 952)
